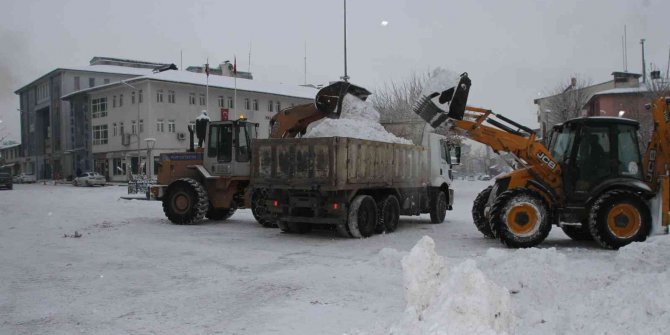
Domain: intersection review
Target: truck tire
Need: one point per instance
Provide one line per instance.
(478, 217)
(186, 202)
(520, 218)
(362, 216)
(578, 233)
(619, 217)
(259, 209)
(438, 207)
(219, 214)
(388, 215)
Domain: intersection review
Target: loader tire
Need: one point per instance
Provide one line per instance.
(438, 207)
(578, 233)
(388, 215)
(362, 216)
(520, 218)
(618, 218)
(478, 216)
(219, 214)
(186, 202)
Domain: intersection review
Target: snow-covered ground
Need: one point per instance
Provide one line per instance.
(132, 272)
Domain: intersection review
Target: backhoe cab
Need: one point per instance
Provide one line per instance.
(590, 180)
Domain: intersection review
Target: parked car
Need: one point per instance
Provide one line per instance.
(486, 177)
(89, 179)
(471, 178)
(6, 178)
(24, 178)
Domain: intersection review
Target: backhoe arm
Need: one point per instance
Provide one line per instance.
(656, 160)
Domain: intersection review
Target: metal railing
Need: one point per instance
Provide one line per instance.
(139, 184)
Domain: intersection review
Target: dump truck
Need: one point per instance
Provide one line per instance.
(359, 187)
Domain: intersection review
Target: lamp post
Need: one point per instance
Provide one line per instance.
(151, 142)
(138, 124)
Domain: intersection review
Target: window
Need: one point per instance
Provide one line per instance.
(255, 104)
(139, 97)
(114, 101)
(106, 80)
(91, 82)
(628, 151)
(100, 134)
(121, 128)
(42, 92)
(220, 142)
(117, 167)
(231, 104)
(121, 100)
(171, 126)
(270, 106)
(247, 104)
(159, 125)
(132, 98)
(141, 126)
(220, 101)
(114, 129)
(202, 99)
(278, 106)
(99, 107)
(159, 96)
(191, 99)
(171, 97)
(133, 127)
(77, 86)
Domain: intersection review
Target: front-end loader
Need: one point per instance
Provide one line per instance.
(591, 179)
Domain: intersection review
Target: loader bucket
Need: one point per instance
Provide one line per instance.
(456, 97)
(328, 99)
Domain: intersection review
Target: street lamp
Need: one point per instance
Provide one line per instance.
(151, 142)
(138, 125)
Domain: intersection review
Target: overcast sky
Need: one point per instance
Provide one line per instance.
(513, 50)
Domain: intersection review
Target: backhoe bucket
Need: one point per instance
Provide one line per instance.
(329, 99)
(457, 97)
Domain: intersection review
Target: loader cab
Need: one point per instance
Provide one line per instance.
(594, 152)
(228, 147)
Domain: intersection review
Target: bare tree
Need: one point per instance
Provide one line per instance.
(567, 102)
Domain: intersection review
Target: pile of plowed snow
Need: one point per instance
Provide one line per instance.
(359, 119)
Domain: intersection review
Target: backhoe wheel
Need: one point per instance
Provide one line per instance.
(520, 218)
(259, 209)
(186, 202)
(618, 218)
(362, 216)
(478, 216)
(388, 215)
(438, 207)
(219, 214)
(578, 233)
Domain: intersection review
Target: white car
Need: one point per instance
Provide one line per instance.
(24, 178)
(89, 179)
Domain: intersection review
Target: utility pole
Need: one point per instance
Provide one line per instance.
(644, 67)
(345, 77)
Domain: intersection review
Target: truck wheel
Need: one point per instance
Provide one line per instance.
(299, 227)
(478, 216)
(362, 216)
(186, 202)
(578, 233)
(520, 218)
(389, 214)
(259, 209)
(438, 207)
(618, 218)
(219, 214)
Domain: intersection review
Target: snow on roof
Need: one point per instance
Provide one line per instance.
(200, 79)
(111, 69)
(624, 90)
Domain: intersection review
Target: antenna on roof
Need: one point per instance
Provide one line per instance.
(249, 65)
(305, 62)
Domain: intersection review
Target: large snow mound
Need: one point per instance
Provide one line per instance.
(359, 119)
(458, 300)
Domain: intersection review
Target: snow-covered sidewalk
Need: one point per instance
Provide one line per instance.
(133, 272)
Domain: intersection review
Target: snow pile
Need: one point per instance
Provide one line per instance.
(460, 300)
(358, 120)
(440, 80)
(650, 256)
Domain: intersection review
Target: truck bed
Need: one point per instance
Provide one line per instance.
(336, 163)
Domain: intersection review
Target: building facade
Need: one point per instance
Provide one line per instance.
(161, 106)
(52, 133)
(10, 155)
